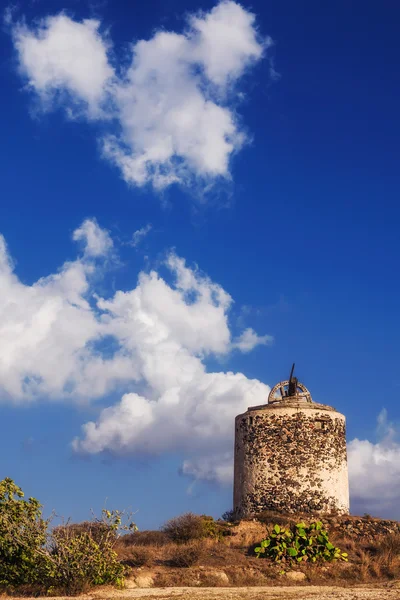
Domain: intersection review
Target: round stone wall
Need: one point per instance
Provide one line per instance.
(290, 456)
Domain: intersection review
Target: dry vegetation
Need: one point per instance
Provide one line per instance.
(222, 554)
(188, 551)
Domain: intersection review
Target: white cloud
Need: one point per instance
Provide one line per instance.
(171, 111)
(249, 339)
(140, 234)
(214, 468)
(55, 343)
(46, 332)
(64, 55)
(225, 41)
(97, 241)
(194, 417)
(375, 472)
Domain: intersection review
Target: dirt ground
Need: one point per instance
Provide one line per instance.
(390, 592)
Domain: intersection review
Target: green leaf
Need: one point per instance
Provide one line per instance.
(330, 546)
(301, 533)
(277, 529)
(292, 552)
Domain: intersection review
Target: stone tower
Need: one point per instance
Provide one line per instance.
(290, 455)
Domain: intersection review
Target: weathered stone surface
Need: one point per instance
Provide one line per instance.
(290, 457)
(366, 528)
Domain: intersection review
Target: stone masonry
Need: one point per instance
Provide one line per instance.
(290, 456)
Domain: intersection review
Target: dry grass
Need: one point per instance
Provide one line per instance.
(185, 528)
(181, 556)
(137, 556)
(178, 564)
(176, 578)
(251, 577)
(144, 538)
(186, 555)
(247, 534)
(369, 560)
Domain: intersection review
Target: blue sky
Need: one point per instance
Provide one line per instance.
(286, 199)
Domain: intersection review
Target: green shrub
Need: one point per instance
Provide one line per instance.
(70, 558)
(97, 530)
(300, 542)
(215, 529)
(188, 527)
(79, 562)
(22, 537)
(184, 528)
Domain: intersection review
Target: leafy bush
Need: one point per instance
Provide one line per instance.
(81, 556)
(215, 529)
(97, 530)
(299, 543)
(184, 528)
(189, 527)
(70, 558)
(22, 537)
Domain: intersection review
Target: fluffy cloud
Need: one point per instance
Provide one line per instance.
(194, 417)
(48, 329)
(63, 55)
(60, 340)
(97, 241)
(171, 107)
(375, 471)
(249, 339)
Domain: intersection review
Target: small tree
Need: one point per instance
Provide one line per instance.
(82, 555)
(69, 558)
(79, 560)
(22, 536)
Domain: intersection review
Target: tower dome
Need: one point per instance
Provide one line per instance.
(290, 455)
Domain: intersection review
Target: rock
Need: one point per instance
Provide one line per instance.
(222, 576)
(296, 576)
(145, 580)
(130, 584)
(219, 577)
